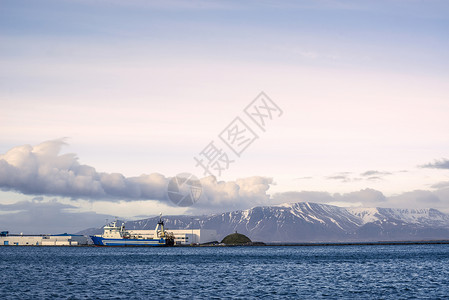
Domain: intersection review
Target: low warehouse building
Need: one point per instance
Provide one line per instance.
(65, 239)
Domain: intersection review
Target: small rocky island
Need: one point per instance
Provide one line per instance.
(236, 239)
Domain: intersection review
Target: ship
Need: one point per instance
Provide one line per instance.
(116, 235)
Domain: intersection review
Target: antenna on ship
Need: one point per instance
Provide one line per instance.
(160, 219)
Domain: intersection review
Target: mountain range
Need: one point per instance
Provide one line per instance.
(313, 222)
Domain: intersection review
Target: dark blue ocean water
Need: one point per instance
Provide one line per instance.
(361, 272)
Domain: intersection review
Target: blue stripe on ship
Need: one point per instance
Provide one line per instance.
(99, 241)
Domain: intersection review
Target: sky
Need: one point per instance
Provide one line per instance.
(102, 103)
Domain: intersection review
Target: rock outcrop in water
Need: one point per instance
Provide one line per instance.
(236, 239)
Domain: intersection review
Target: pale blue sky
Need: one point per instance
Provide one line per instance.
(140, 87)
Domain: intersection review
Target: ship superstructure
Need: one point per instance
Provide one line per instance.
(116, 235)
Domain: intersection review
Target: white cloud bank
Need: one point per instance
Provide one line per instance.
(438, 198)
(42, 170)
(438, 164)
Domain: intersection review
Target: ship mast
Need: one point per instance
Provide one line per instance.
(161, 225)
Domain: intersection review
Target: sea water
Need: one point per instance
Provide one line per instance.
(293, 272)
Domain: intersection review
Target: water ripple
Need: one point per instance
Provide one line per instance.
(349, 272)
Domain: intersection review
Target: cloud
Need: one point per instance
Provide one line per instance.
(374, 173)
(35, 217)
(339, 177)
(417, 198)
(440, 185)
(370, 175)
(304, 196)
(374, 178)
(365, 197)
(233, 195)
(343, 177)
(437, 164)
(41, 170)
(438, 199)
(303, 178)
(443, 195)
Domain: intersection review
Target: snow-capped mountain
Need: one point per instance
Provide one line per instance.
(401, 224)
(312, 222)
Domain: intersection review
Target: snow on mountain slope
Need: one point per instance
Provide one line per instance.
(322, 213)
(366, 215)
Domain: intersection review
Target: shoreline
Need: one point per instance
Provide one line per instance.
(318, 244)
